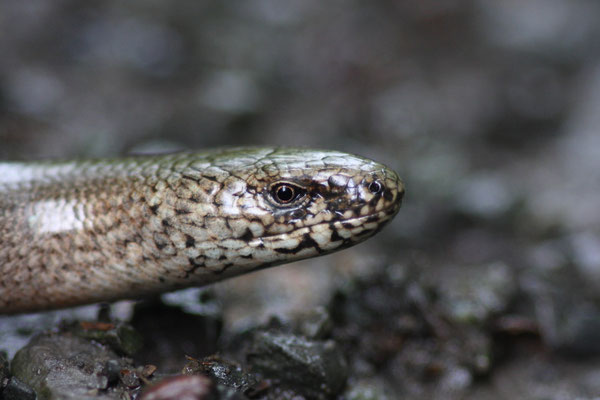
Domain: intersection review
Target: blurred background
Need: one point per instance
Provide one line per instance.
(487, 109)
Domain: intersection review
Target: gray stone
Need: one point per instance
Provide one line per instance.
(316, 369)
(66, 367)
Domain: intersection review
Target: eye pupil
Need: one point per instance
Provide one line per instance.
(285, 193)
(375, 187)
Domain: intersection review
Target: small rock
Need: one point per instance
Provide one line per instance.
(130, 378)
(224, 372)
(17, 390)
(148, 370)
(316, 369)
(67, 367)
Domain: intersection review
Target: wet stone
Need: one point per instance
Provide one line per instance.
(224, 372)
(68, 367)
(316, 369)
(17, 390)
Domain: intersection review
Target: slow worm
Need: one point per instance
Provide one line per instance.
(78, 232)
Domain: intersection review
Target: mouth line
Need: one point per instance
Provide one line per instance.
(375, 217)
(379, 217)
(305, 241)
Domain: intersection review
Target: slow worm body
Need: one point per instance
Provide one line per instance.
(78, 232)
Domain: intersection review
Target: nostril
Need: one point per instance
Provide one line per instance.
(375, 187)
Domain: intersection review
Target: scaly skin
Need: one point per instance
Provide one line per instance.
(79, 232)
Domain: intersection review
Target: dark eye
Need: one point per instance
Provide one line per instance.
(285, 193)
(375, 187)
